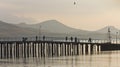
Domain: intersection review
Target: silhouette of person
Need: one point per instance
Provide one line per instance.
(90, 40)
(71, 39)
(66, 38)
(75, 39)
(43, 38)
(24, 39)
(36, 38)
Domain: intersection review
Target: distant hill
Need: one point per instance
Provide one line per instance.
(10, 30)
(57, 29)
(52, 26)
(113, 30)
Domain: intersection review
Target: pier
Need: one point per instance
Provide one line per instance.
(26, 48)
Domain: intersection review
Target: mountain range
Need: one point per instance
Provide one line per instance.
(10, 30)
(52, 28)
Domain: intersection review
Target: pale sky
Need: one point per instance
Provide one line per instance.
(86, 14)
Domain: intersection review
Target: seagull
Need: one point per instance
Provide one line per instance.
(74, 3)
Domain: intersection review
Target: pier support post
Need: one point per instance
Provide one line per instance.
(0, 51)
(82, 49)
(9, 50)
(86, 49)
(66, 48)
(99, 49)
(91, 49)
(79, 49)
(13, 50)
(31, 51)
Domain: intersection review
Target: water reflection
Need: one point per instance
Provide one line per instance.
(106, 59)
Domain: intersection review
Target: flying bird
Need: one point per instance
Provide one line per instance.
(74, 3)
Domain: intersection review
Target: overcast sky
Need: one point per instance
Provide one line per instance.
(86, 14)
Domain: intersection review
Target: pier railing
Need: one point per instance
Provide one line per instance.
(59, 39)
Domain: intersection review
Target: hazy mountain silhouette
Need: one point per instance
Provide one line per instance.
(53, 26)
(10, 30)
(105, 30)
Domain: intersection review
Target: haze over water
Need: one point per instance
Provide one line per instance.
(84, 14)
(105, 59)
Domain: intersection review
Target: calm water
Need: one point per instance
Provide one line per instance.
(106, 59)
